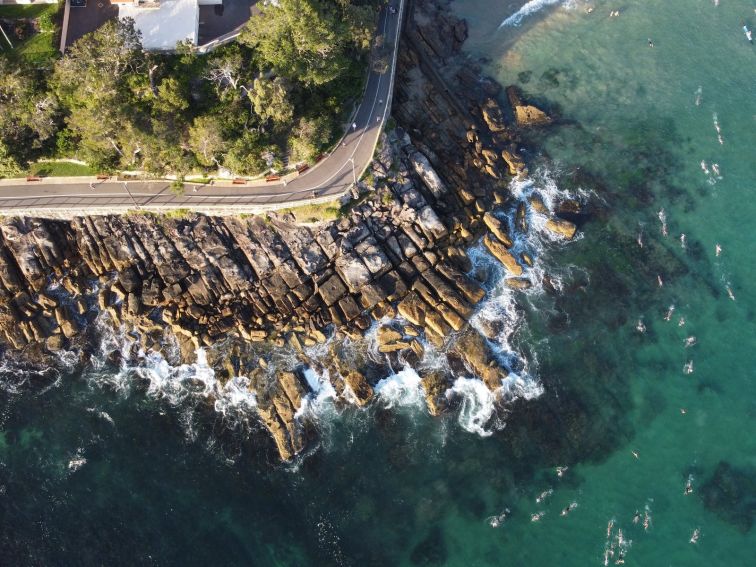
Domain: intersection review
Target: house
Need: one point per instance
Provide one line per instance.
(164, 23)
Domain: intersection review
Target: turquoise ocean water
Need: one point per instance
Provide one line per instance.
(104, 467)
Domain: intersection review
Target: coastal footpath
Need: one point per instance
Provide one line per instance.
(397, 256)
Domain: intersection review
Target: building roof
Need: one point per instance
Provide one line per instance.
(163, 27)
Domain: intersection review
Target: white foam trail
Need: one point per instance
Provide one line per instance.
(477, 406)
(528, 9)
(320, 401)
(401, 389)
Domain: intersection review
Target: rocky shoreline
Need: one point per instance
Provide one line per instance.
(438, 183)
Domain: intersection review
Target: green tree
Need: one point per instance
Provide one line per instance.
(206, 140)
(244, 157)
(171, 97)
(303, 40)
(309, 137)
(9, 167)
(270, 100)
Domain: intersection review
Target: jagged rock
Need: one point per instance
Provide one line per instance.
(353, 271)
(562, 227)
(498, 228)
(386, 335)
(472, 348)
(503, 255)
(525, 114)
(363, 392)
(493, 116)
(394, 347)
(515, 164)
(537, 204)
(66, 322)
(435, 384)
(430, 178)
(518, 283)
(521, 218)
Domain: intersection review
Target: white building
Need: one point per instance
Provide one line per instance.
(164, 23)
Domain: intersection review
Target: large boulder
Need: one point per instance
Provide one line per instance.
(498, 228)
(475, 352)
(493, 116)
(425, 171)
(562, 227)
(435, 384)
(502, 255)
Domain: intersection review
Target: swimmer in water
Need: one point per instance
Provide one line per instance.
(647, 518)
(699, 95)
(561, 470)
(639, 240)
(663, 219)
(688, 486)
(660, 281)
(544, 495)
(537, 516)
(695, 535)
(636, 517)
(650, 43)
(690, 341)
(730, 294)
(635, 454)
(640, 327)
(670, 311)
(682, 241)
(496, 521)
(715, 168)
(704, 167)
(569, 508)
(683, 411)
(717, 250)
(681, 322)
(609, 528)
(688, 368)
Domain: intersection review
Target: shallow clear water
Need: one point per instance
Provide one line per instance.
(94, 474)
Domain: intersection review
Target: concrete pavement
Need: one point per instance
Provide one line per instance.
(330, 178)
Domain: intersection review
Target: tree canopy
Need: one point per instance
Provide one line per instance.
(280, 90)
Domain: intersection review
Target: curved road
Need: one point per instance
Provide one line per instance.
(330, 178)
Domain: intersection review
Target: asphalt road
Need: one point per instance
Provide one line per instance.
(331, 177)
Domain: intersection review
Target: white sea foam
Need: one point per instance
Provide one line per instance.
(529, 9)
(477, 406)
(401, 389)
(319, 402)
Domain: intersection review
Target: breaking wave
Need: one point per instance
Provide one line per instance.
(529, 9)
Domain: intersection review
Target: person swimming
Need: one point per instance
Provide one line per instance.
(682, 241)
(690, 341)
(663, 219)
(640, 327)
(650, 43)
(688, 486)
(537, 516)
(717, 250)
(544, 495)
(569, 508)
(496, 521)
(747, 32)
(704, 167)
(699, 95)
(681, 322)
(730, 294)
(561, 470)
(636, 517)
(670, 311)
(660, 281)
(695, 535)
(647, 518)
(639, 239)
(688, 368)
(715, 168)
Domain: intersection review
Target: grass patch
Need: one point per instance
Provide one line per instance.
(323, 212)
(27, 10)
(37, 48)
(60, 169)
(390, 124)
(177, 214)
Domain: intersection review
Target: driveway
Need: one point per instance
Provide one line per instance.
(82, 21)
